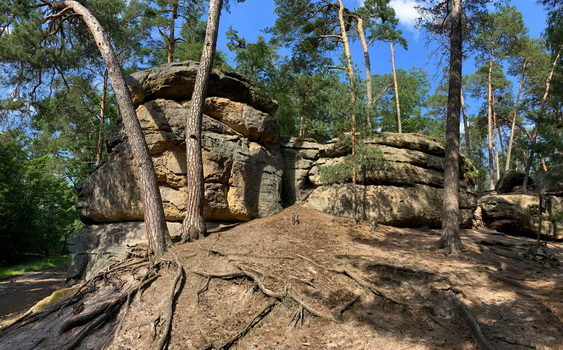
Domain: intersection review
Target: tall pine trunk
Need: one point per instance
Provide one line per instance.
(396, 85)
(102, 120)
(157, 232)
(367, 65)
(465, 126)
(490, 124)
(514, 117)
(194, 223)
(353, 98)
(450, 240)
(172, 33)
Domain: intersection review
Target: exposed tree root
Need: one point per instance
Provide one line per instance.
(440, 323)
(252, 275)
(174, 291)
(362, 282)
(255, 320)
(348, 305)
(476, 331)
(513, 341)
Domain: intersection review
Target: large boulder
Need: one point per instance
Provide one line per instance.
(404, 189)
(95, 247)
(511, 180)
(242, 176)
(518, 214)
(175, 81)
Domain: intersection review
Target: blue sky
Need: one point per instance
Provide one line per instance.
(250, 17)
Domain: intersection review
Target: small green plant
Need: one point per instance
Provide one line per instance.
(34, 265)
(364, 160)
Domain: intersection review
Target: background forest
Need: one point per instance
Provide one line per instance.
(57, 108)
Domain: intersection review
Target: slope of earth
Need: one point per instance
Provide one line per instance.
(321, 283)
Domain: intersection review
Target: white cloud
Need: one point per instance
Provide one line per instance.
(406, 12)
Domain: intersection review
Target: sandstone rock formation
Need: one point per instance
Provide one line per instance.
(242, 160)
(404, 190)
(249, 172)
(512, 212)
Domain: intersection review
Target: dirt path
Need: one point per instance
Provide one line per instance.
(19, 293)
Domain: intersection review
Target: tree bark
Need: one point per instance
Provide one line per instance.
(465, 125)
(172, 33)
(514, 117)
(102, 120)
(351, 79)
(496, 141)
(157, 232)
(396, 85)
(194, 223)
(450, 240)
(540, 119)
(490, 123)
(367, 65)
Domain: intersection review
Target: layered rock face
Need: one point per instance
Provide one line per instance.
(513, 212)
(249, 172)
(242, 159)
(242, 163)
(405, 189)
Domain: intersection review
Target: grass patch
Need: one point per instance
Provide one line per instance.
(33, 265)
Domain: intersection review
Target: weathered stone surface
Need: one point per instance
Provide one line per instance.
(94, 247)
(415, 206)
(250, 122)
(175, 81)
(298, 158)
(250, 174)
(518, 214)
(550, 181)
(509, 180)
(404, 190)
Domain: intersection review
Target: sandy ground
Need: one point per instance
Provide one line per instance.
(323, 283)
(19, 293)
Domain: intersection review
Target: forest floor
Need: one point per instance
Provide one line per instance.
(323, 283)
(19, 293)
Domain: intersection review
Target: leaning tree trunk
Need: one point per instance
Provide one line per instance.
(157, 232)
(450, 239)
(396, 85)
(194, 224)
(540, 119)
(351, 81)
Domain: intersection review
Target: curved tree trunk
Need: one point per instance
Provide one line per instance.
(157, 232)
(194, 224)
(450, 239)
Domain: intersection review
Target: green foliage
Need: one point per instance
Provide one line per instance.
(365, 159)
(382, 22)
(36, 204)
(413, 90)
(34, 264)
